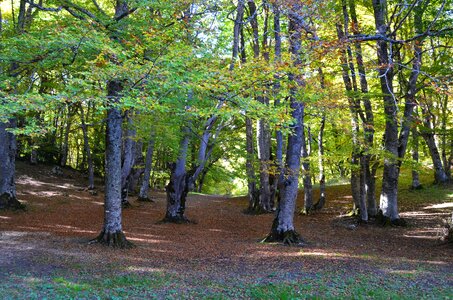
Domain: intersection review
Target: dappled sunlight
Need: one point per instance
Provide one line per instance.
(25, 180)
(5, 217)
(97, 203)
(421, 214)
(439, 206)
(149, 241)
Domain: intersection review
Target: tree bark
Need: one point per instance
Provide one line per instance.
(368, 122)
(282, 229)
(65, 146)
(143, 195)
(87, 148)
(236, 32)
(112, 231)
(389, 193)
(129, 148)
(322, 178)
(8, 167)
(177, 187)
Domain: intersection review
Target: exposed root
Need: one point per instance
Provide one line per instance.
(306, 211)
(416, 188)
(8, 202)
(145, 199)
(386, 221)
(114, 240)
(176, 220)
(256, 211)
(126, 204)
(288, 238)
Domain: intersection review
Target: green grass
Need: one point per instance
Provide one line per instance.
(324, 285)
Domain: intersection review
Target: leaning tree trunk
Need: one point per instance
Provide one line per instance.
(282, 229)
(112, 231)
(428, 135)
(8, 167)
(177, 187)
(143, 195)
(349, 84)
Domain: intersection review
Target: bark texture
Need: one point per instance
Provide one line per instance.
(8, 167)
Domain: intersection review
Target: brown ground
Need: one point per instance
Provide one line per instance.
(61, 218)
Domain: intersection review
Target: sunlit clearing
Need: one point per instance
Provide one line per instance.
(442, 205)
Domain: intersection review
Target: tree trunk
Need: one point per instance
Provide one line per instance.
(356, 152)
(308, 186)
(177, 188)
(253, 193)
(368, 122)
(8, 167)
(428, 135)
(236, 32)
(65, 146)
(282, 229)
(112, 231)
(322, 178)
(415, 144)
(143, 195)
(389, 194)
(129, 146)
(87, 147)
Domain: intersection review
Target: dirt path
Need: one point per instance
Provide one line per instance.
(52, 237)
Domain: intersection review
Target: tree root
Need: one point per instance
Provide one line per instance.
(145, 199)
(288, 238)
(176, 220)
(386, 221)
(8, 202)
(126, 204)
(256, 211)
(112, 239)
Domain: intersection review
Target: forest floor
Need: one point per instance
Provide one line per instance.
(44, 251)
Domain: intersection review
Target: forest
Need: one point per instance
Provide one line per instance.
(264, 149)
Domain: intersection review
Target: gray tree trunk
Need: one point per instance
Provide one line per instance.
(143, 195)
(322, 177)
(87, 148)
(128, 161)
(415, 185)
(283, 226)
(8, 167)
(177, 188)
(308, 186)
(112, 231)
(65, 146)
(368, 122)
(253, 193)
(389, 194)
